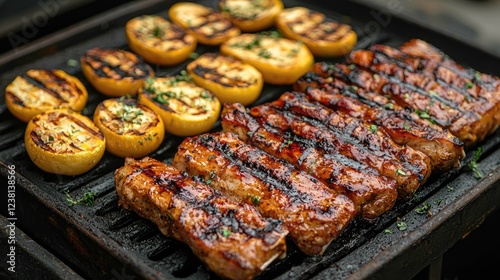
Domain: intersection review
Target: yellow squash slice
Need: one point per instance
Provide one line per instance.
(186, 109)
(207, 25)
(230, 79)
(115, 72)
(130, 129)
(64, 142)
(323, 36)
(281, 61)
(39, 90)
(158, 40)
(252, 15)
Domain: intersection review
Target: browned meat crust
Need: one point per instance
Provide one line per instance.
(314, 214)
(232, 239)
(404, 126)
(371, 193)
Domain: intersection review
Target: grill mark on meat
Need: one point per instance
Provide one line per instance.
(338, 134)
(372, 194)
(238, 171)
(196, 215)
(385, 54)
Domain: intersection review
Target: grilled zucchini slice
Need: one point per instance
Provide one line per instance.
(64, 142)
(158, 40)
(186, 109)
(325, 37)
(39, 90)
(115, 72)
(207, 25)
(131, 129)
(280, 60)
(230, 79)
(252, 15)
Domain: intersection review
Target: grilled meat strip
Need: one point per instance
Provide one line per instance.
(232, 239)
(338, 133)
(404, 126)
(371, 193)
(314, 214)
(435, 92)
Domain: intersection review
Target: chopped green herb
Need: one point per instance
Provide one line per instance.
(423, 114)
(389, 106)
(264, 53)
(388, 231)
(226, 232)
(449, 188)
(194, 55)
(400, 172)
(469, 85)
(87, 199)
(255, 200)
(149, 85)
(474, 166)
(402, 226)
(351, 66)
(374, 128)
(477, 76)
(72, 62)
(406, 126)
(157, 32)
(424, 208)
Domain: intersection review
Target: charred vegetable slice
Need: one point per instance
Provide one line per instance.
(207, 25)
(158, 40)
(325, 37)
(64, 142)
(186, 109)
(130, 129)
(39, 90)
(114, 72)
(250, 15)
(230, 79)
(281, 61)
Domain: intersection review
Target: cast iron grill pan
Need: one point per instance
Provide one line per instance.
(103, 241)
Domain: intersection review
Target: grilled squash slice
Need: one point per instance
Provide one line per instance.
(158, 40)
(115, 72)
(250, 15)
(323, 36)
(230, 79)
(186, 109)
(39, 90)
(130, 129)
(64, 142)
(281, 61)
(207, 25)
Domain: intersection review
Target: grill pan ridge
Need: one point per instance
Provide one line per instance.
(102, 241)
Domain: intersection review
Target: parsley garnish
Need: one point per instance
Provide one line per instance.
(424, 208)
(226, 232)
(194, 55)
(87, 199)
(374, 128)
(406, 126)
(402, 226)
(400, 172)
(474, 166)
(469, 85)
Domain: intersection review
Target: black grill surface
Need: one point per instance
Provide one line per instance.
(102, 241)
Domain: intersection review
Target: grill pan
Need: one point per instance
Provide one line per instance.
(103, 241)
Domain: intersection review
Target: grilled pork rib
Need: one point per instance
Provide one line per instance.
(404, 126)
(232, 239)
(371, 193)
(314, 214)
(338, 133)
(469, 108)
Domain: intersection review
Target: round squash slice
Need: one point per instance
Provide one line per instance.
(39, 90)
(115, 72)
(280, 60)
(158, 40)
(130, 129)
(230, 79)
(207, 25)
(251, 15)
(64, 142)
(323, 36)
(186, 109)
